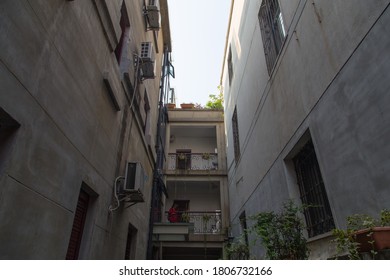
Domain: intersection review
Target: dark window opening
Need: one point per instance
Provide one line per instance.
(272, 31)
(78, 226)
(230, 66)
(244, 227)
(318, 216)
(182, 207)
(146, 111)
(8, 127)
(236, 140)
(125, 25)
(130, 242)
(183, 159)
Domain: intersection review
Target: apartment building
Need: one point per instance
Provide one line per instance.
(307, 115)
(196, 181)
(79, 107)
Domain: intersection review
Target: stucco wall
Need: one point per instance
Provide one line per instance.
(329, 79)
(53, 56)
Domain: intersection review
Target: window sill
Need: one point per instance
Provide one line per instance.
(321, 236)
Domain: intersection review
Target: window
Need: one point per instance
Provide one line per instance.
(125, 27)
(147, 112)
(8, 127)
(272, 30)
(236, 140)
(318, 218)
(244, 227)
(78, 226)
(230, 66)
(183, 159)
(131, 242)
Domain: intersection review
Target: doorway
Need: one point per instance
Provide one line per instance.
(182, 207)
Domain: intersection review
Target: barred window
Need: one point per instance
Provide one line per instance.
(272, 31)
(244, 227)
(318, 216)
(230, 66)
(236, 140)
(125, 30)
(78, 226)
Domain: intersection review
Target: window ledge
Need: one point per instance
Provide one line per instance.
(321, 236)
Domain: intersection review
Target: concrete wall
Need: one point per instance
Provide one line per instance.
(53, 58)
(197, 143)
(330, 80)
(203, 195)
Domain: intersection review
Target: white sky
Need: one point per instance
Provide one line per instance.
(198, 31)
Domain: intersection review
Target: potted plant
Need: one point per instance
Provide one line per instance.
(206, 156)
(187, 105)
(205, 219)
(182, 156)
(185, 217)
(281, 234)
(363, 234)
(171, 105)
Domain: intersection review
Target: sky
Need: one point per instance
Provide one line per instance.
(198, 32)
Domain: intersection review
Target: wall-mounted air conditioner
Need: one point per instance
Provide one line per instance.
(147, 62)
(134, 177)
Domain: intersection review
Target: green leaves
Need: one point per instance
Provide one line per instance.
(215, 101)
(346, 239)
(282, 233)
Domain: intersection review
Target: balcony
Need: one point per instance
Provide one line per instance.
(192, 226)
(206, 222)
(192, 161)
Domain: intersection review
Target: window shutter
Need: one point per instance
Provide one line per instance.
(78, 226)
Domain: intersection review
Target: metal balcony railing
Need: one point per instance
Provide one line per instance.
(203, 222)
(193, 161)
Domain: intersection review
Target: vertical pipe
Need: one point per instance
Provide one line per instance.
(158, 164)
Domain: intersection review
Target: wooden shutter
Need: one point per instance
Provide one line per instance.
(78, 226)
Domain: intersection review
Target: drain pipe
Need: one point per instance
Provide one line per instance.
(157, 172)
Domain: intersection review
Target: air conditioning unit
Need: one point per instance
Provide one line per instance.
(147, 63)
(153, 17)
(134, 177)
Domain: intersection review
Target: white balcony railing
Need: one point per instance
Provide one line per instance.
(203, 221)
(194, 161)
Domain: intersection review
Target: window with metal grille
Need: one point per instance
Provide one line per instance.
(272, 31)
(78, 226)
(125, 28)
(230, 66)
(236, 140)
(318, 215)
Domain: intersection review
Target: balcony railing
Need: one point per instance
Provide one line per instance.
(203, 222)
(194, 161)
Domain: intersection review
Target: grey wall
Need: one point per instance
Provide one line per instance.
(330, 79)
(53, 56)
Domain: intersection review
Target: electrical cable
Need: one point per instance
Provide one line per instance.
(111, 208)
